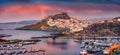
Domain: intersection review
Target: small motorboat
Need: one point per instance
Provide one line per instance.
(82, 46)
(106, 52)
(83, 52)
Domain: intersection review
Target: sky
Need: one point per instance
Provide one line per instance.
(19, 10)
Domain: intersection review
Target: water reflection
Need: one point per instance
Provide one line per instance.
(59, 43)
(59, 46)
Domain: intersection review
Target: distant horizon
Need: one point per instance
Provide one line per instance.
(19, 21)
(94, 20)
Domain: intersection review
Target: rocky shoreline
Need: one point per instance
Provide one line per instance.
(4, 35)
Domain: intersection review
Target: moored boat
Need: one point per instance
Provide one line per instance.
(83, 52)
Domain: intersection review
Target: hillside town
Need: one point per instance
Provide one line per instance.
(73, 24)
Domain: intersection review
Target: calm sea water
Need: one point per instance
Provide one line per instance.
(52, 47)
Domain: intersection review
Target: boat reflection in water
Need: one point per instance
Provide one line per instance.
(57, 43)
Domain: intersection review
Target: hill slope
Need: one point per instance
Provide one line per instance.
(58, 22)
(104, 28)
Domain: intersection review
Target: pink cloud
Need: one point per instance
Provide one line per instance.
(42, 9)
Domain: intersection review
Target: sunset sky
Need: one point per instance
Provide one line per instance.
(19, 10)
